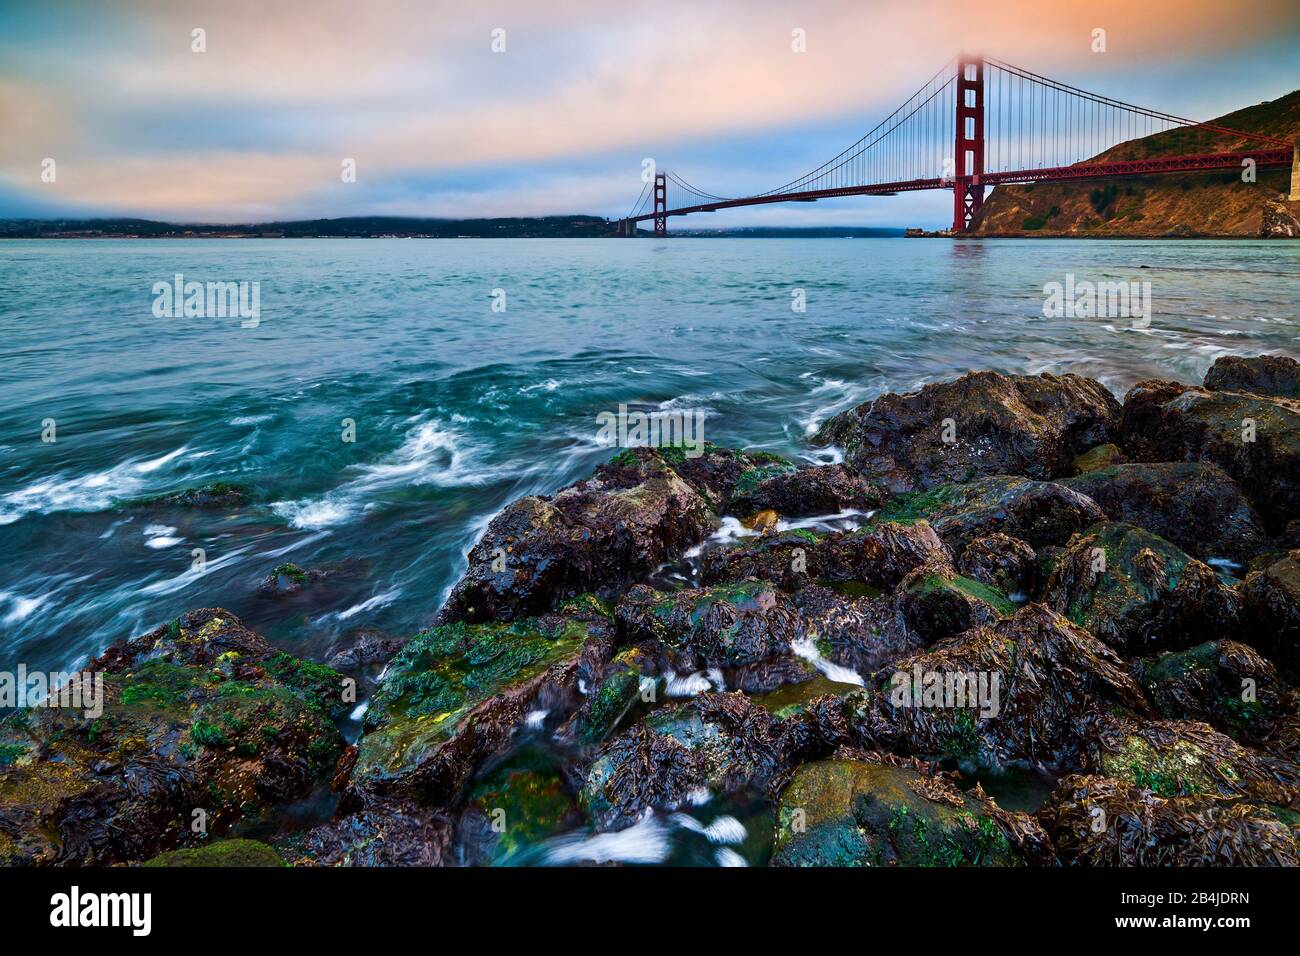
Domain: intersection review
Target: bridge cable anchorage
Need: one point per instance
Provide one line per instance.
(980, 122)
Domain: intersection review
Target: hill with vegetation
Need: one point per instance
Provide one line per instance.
(1171, 204)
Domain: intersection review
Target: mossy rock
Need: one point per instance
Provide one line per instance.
(197, 709)
(454, 678)
(223, 853)
(855, 813)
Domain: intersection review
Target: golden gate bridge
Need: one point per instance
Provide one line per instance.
(979, 122)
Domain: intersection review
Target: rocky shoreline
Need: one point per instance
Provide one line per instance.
(1120, 582)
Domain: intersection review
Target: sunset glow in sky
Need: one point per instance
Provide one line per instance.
(256, 127)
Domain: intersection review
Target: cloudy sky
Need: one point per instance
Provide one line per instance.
(439, 124)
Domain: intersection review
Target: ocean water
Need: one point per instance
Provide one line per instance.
(459, 408)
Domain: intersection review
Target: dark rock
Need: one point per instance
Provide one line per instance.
(1222, 682)
(887, 552)
(936, 602)
(1196, 505)
(720, 741)
(1277, 375)
(723, 626)
(717, 475)
(611, 530)
(1273, 605)
(1139, 593)
(362, 648)
(858, 813)
(789, 559)
(1095, 821)
(1254, 438)
(1038, 512)
(1055, 681)
(201, 714)
(288, 579)
(809, 490)
(220, 494)
(860, 633)
(1001, 425)
(1008, 564)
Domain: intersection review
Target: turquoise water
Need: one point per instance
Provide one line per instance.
(459, 409)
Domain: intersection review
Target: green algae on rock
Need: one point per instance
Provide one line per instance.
(453, 696)
(194, 717)
(223, 853)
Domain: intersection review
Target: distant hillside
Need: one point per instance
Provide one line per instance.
(1197, 204)
(355, 227)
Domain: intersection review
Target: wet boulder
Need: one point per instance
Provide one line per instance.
(1097, 821)
(1195, 505)
(1137, 592)
(1008, 564)
(807, 490)
(879, 555)
(983, 423)
(1038, 512)
(1276, 375)
(1028, 688)
(201, 714)
(1254, 438)
(719, 743)
(454, 696)
(717, 474)
(1224, 683)
(1272, 598)
(729, 625)
(608, 531)
(789, 559)
(845, 812)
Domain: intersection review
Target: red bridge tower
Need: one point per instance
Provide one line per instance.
(968, 189)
